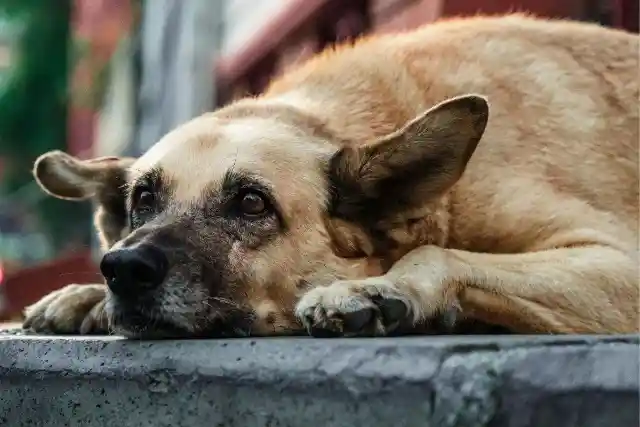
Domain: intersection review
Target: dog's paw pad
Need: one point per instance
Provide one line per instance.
(394, 311)
(358, 320)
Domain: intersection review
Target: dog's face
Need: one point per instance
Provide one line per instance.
(222, 225)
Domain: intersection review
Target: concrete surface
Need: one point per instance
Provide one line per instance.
(428, 381)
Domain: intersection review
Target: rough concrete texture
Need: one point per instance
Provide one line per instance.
(430, 381)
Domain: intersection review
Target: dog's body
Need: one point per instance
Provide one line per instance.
(540, 233)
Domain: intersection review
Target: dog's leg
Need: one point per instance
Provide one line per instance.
(74, 309)
(587, 289)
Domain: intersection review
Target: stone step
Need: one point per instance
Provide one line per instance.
(515, 381)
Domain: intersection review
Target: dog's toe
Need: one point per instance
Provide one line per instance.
(352, 308)
(322, 324)
(71, 310)
(394, 311)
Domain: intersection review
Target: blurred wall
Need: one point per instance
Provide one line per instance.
(243, 18)
(115, 124)
(180, 40)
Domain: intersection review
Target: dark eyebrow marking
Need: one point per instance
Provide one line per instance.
(235, 181)
(151, 179)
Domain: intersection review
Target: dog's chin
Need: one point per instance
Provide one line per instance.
(137, 324)
(148, 323)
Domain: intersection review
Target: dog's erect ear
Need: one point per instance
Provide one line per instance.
(403, 170)
(101, 179)
(67, 177)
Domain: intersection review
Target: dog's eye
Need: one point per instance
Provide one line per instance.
(253, 204)
(144, 206)
(144, 200)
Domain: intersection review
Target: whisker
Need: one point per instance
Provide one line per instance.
(227, 301)
(81, 272)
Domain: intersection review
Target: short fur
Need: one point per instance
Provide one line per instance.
(384, 212)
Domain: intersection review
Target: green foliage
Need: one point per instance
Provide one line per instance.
(33, 100)
(33, 105)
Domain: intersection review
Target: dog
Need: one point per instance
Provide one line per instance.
(485, 165)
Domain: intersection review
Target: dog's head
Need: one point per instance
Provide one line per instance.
(225, 222)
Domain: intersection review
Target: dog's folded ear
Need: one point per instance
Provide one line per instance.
(66, 177)
(102, 179)
(402, 171)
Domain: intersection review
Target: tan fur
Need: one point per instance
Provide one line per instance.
(72, 309)
(540, 232)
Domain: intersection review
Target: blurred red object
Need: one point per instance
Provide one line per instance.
(26, 286)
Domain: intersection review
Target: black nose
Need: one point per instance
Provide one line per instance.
(132, 270)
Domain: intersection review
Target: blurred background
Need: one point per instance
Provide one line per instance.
(110, 77)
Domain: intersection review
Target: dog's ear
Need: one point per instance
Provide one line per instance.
(102, 179)
(67, 177)
(400, 172)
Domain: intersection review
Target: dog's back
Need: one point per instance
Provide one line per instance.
(561, 147)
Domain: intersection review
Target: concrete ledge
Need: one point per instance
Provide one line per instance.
(433, 381)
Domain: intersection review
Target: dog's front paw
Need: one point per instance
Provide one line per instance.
(368, 307)
(74, 309)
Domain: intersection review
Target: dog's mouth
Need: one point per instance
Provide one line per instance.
(135, 321)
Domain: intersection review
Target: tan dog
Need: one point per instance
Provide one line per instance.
(337, 201)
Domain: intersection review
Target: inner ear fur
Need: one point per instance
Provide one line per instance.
(399, 173)
(102, 179)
